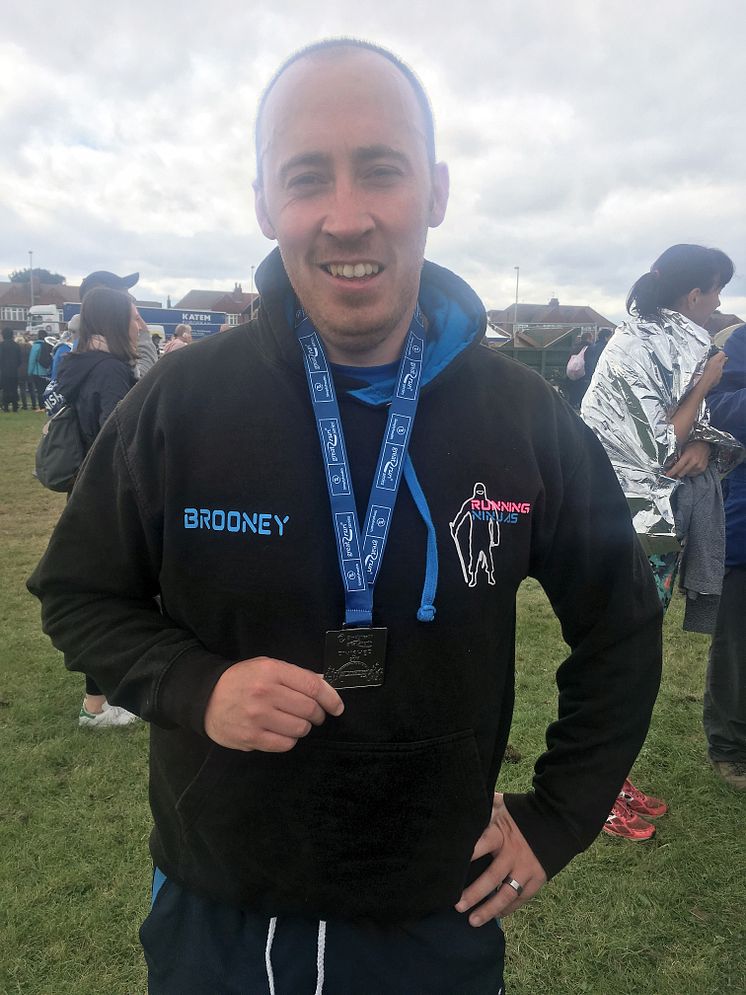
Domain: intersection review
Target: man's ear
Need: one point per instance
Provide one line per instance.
(439, 194)
(262, 215)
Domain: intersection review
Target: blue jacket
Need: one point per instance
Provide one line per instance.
(35, 368)
(727, 404)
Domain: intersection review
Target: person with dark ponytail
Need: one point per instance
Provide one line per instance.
(646, 403)
(93, 378)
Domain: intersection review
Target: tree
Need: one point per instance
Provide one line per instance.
(40, 276)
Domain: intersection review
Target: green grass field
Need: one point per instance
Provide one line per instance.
(660, 918)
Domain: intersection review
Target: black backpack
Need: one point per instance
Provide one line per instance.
(45, 355)
(61, 451)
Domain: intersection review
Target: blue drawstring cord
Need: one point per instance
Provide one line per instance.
(426, 611)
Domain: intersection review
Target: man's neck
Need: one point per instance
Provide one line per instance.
(385, 352)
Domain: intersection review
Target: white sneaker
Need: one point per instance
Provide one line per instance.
(110, 715)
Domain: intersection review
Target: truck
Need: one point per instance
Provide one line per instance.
(46, 316)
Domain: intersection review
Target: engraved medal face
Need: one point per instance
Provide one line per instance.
(355, 658)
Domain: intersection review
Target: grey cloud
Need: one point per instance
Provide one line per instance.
(582, 137)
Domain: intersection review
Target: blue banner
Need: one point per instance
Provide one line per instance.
(203, 322)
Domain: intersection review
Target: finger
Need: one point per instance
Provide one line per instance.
(295, 703)
(491, 841)
(270, 742)
(485, 884)
(329, 699)
(504, 902)
(282, 724)
(313, 686)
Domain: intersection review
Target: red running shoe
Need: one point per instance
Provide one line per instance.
(623, 822)
(641, 803)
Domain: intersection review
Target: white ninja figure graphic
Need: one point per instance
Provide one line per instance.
(483, 535)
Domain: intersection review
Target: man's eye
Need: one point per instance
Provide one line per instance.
(383, 174)
(305, 181)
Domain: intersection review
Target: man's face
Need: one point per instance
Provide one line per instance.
(349, 194)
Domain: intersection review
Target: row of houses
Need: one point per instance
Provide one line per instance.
(545, 326)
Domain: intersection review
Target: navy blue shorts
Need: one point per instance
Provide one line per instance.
(197, 947)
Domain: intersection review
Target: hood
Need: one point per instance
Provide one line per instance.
(727, 400)
(456, 320)
(75, 367)
(734, 373)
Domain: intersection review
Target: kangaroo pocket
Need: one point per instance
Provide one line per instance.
(338, 830)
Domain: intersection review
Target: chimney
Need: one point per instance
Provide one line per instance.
(553, 302)
(168, 301)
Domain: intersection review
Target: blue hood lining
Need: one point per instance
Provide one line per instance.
(451, 329)
(454, 323)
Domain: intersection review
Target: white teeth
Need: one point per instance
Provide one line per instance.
(356, 271)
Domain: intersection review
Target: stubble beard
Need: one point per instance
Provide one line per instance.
(355, 337)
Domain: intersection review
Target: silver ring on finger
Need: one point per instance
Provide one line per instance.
(512, 883)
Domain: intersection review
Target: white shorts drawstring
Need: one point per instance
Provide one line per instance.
(320, 952)
(268, 954)
(320, 956)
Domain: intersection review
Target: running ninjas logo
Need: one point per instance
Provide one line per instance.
(217, 520)
(481, 535)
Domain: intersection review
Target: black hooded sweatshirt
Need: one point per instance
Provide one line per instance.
(94, 382)
(207, 486)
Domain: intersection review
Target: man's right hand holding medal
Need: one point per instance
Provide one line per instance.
(266, 704)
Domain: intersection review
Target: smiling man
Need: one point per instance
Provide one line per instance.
(348, 185)
(330, 680)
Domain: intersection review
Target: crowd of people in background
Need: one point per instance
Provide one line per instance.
(25, 365)
(30, 361)
(99, 357)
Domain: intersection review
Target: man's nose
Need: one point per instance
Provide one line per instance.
(348, 216)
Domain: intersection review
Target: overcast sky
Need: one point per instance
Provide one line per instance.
(583, 138)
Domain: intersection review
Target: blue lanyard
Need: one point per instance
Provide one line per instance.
(360, 561)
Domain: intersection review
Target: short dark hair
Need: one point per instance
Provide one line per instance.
(107, 312)
(8, 334)
(676, 272)
(330, 45)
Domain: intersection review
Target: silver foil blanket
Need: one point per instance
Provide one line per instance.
(641, 378)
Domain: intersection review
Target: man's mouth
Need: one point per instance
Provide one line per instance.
(352, 271)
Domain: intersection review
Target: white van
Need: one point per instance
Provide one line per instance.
(46, 316)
